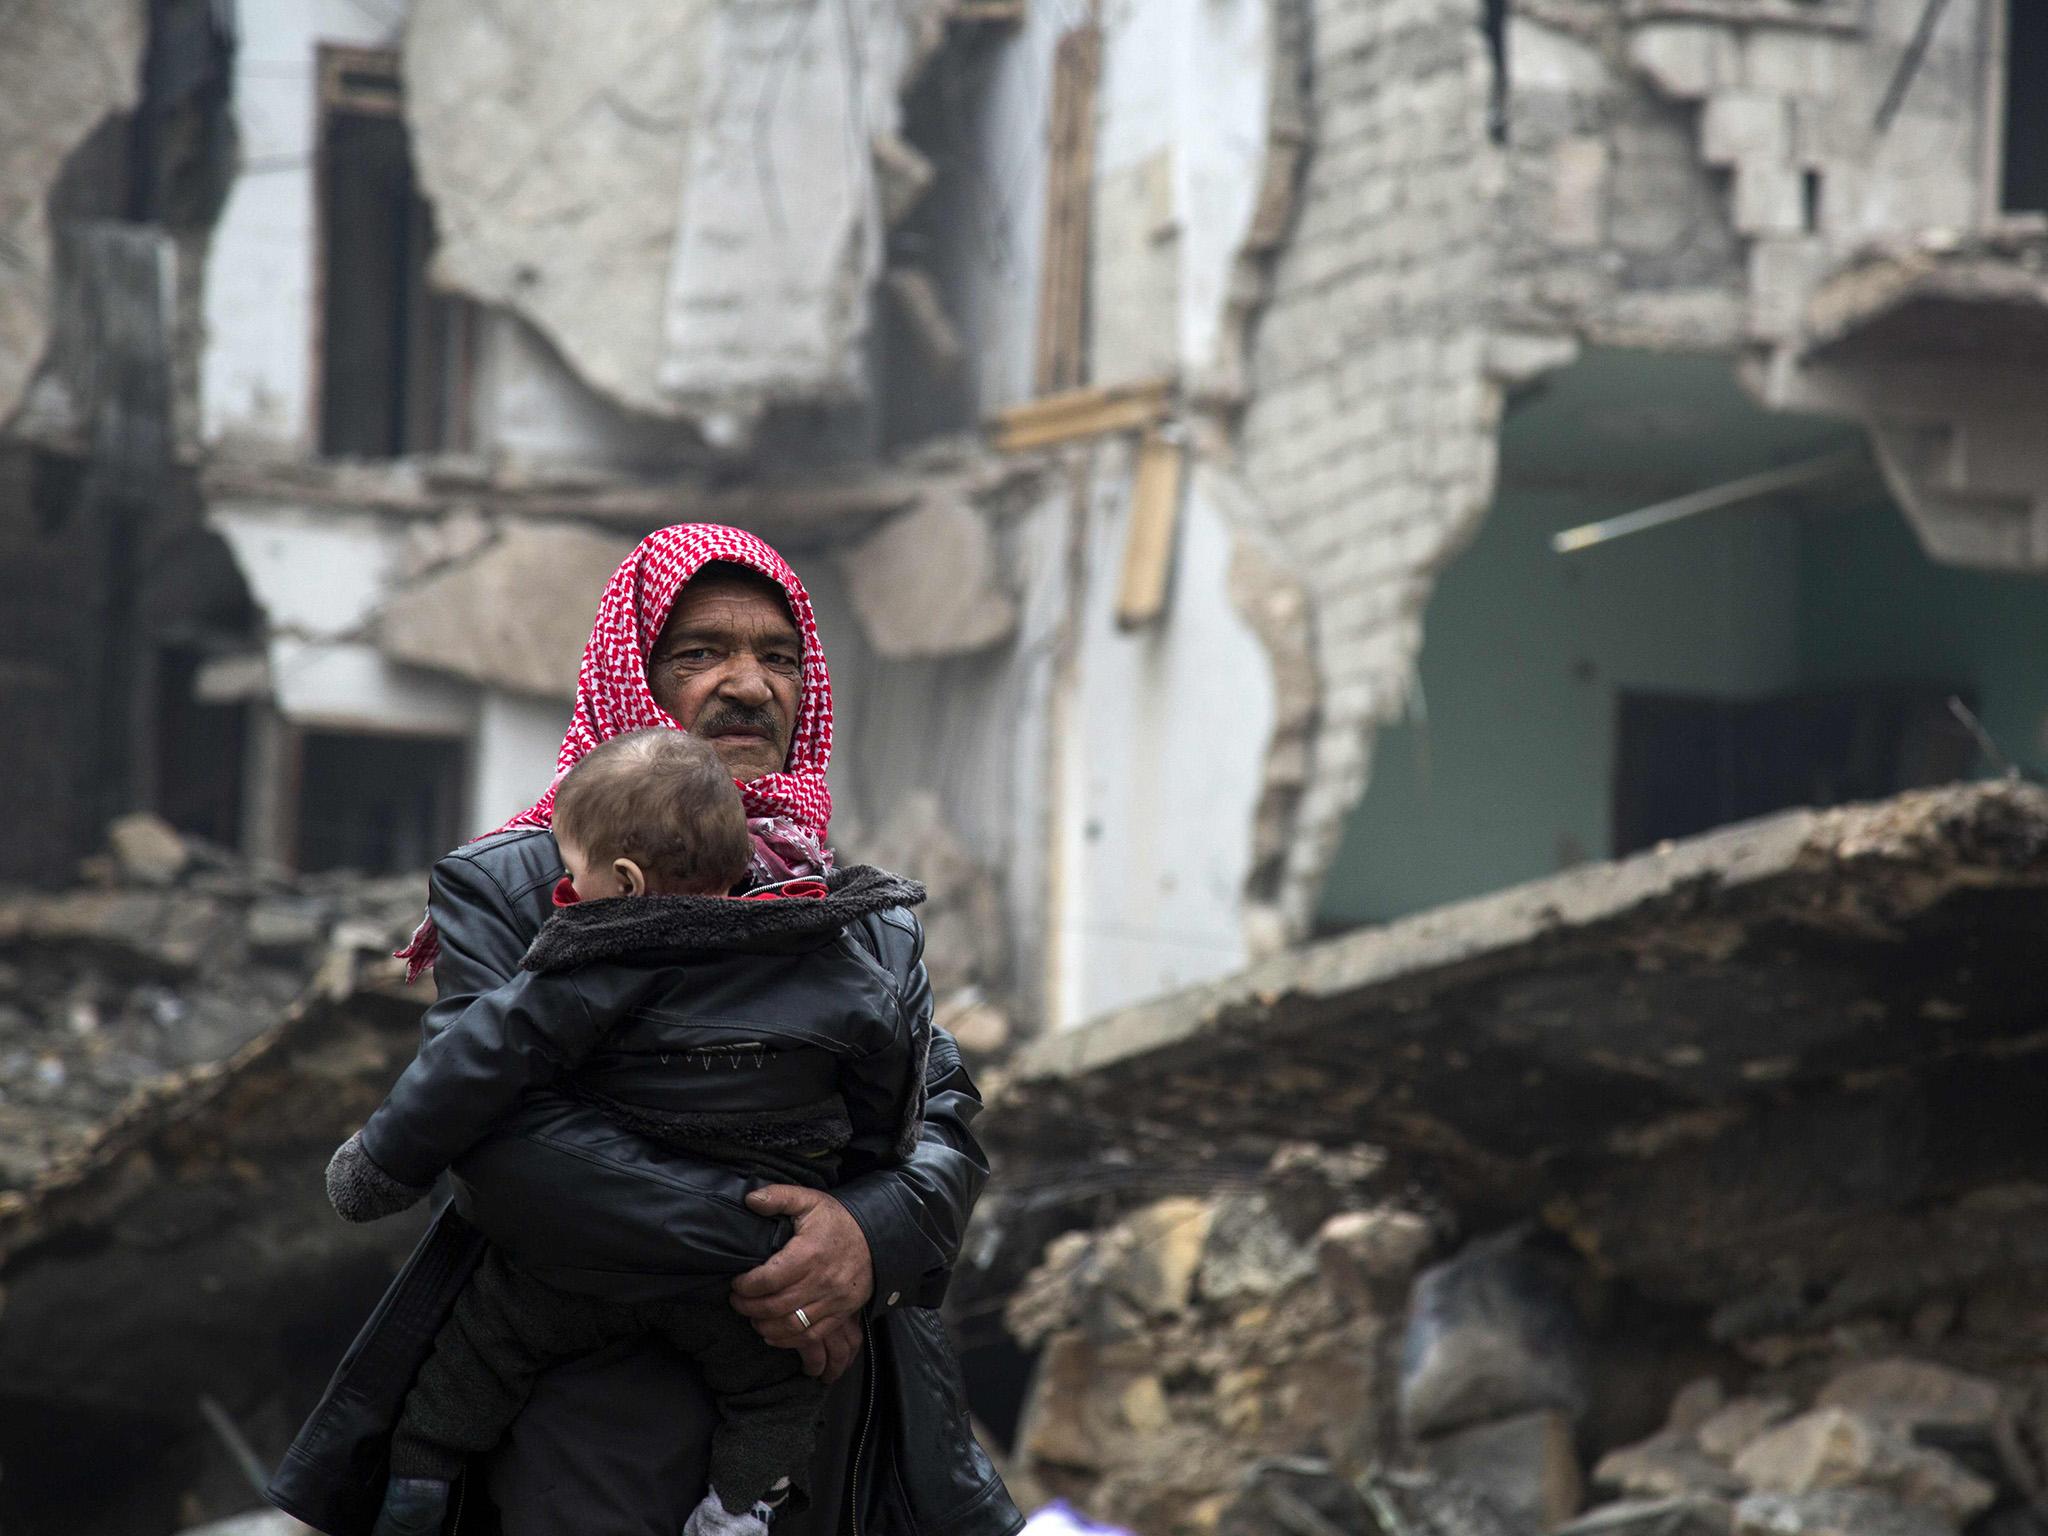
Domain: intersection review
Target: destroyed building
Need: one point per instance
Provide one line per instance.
(1137, 385)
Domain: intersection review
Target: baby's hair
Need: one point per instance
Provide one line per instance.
(663, 799)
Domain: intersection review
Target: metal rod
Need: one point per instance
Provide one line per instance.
(1909, 66)
(239, 1450)
(1748, 488)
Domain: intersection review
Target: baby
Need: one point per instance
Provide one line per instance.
(747, 1032)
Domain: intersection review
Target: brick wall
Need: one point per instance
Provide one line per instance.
(1369, 439)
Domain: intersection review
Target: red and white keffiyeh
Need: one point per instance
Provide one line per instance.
(788, 812)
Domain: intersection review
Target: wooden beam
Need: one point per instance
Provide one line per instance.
(1070, 191)
(1155, 519)
(1080, 413)
(989, 13)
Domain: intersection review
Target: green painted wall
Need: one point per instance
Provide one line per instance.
(1509, 775)
(1504, 771)
(1873, 607)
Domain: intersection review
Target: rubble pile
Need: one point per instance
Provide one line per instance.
(1195, 1335)
(1889, 1445)
(183, 1042)
(174, 955)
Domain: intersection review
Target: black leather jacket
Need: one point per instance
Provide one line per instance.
(637, 1207)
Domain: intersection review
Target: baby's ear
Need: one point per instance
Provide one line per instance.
(631, 877)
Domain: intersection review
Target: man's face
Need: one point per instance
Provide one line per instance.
(729, 667)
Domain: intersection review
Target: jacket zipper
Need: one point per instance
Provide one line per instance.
(461, 1496)
(860, 1443)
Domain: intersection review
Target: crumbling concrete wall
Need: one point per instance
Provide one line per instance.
(680, 197)
(66, 66)
(1369, 437)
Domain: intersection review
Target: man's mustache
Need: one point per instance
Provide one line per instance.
(739, 717)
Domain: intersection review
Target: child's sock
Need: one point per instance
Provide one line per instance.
(413, 1506)
(712, 1518)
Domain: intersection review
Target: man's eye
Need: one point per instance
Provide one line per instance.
(782, 661)
(693, 656)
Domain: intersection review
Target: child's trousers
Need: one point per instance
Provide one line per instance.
(508, 1327)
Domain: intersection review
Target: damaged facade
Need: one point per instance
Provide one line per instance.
(1137, 386)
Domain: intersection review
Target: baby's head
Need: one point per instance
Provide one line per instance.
(651, 813)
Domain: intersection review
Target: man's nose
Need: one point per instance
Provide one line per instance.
(745, 682)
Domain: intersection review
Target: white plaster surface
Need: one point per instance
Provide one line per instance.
(1163, 764)
(257, 368)
(512, 757)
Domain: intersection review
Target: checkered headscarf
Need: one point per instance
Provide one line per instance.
(788, 812)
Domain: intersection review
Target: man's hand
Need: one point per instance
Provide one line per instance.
(825, 1268)
(828, 1349)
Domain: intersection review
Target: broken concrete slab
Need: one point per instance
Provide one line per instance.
(1915, 1394)
(1659, 1053)
(929, 583)
(1526, 1465)
(1727, 1432)
(1492, 1333)
(1667, 1465)
(514, 616)
(66, 66)
(1682, 1515)
(148, 849)
(1839, 1512)
(1834, 1448)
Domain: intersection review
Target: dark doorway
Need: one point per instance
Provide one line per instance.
(200, 747)
(2024, 186)
(376, 803)
(1685, 764)
(394, 355)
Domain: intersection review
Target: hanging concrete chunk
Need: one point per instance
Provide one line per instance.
(927, 583)
(515, 617)
(65, 66)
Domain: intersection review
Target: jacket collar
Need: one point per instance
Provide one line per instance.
(588, 931)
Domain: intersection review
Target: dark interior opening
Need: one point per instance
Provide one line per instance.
(377, 803)
(2024, 186)
(394, 354)
(200, 752)
(1686, 764)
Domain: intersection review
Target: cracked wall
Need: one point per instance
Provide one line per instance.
(66, 66)
(682, 198)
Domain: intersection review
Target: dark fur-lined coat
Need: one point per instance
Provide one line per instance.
(753, 1032)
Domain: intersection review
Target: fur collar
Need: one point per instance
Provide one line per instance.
(623, 925)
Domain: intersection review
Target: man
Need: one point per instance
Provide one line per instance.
(704, 628)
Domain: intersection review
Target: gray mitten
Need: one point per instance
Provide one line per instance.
(360, 1190)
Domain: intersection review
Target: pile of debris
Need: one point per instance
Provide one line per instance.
(172, 955)
(1890, 1446)
(183, 1042)
(1195, 1335)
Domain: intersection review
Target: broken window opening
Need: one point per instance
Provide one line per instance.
(376, 802)
(201, 748)
(1686, 763)
(2023, 182)
(925, 386)
(1493, 22)
(1810, 186)
(395, 357)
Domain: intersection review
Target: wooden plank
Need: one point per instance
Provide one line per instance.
(990, 13)
(360, 80)
(1070, 183)
(1155, 519)
(1081, 413)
